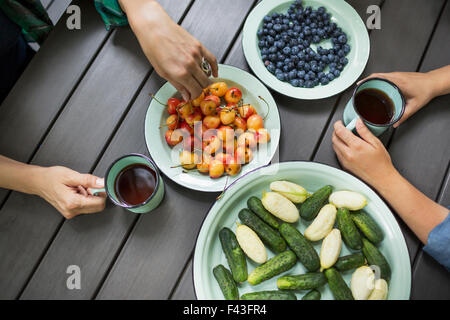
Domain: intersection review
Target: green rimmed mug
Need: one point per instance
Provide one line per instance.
(113, 171)
(351, 113)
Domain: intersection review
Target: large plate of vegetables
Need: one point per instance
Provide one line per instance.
(301, 230)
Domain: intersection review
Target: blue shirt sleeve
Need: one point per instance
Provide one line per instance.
(438, 245)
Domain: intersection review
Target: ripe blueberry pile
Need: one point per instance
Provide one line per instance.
(285, 44)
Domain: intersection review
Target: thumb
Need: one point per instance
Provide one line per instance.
(365, 133)
(87, 180)
(91, 204)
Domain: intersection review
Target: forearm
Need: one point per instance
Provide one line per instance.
(418, 211)
(18, 176)
(140, 12)
(441, 80)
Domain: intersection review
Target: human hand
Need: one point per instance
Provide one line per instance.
(418, 89)
(174, 53)
(365, 157)
(68, 191)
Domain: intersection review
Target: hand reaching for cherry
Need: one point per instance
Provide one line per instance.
(173, 52)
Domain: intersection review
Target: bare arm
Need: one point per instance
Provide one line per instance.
(174, 53)
(367, 158)
(65, 189)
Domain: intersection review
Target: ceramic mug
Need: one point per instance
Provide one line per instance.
(351, 114)
(113, 171)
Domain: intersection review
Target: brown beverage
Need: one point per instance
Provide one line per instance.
(135, 184)
(374, 106)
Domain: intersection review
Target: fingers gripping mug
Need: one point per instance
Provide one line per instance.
(378, 102)
(133, 182)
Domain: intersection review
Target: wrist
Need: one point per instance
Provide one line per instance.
(384, 182)
(141, 12)
(438, 82)
(36, 178)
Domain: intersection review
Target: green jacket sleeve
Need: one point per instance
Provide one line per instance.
(111, 13)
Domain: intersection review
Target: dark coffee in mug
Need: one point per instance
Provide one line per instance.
(135, 184)
(374, 106)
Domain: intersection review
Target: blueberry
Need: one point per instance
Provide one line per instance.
(301, 64)
(285, 68)
(272, 32)
(293, 42)
(286, 38)
(330, 76)
(260, 33)
(295, 50)
(277, 27)
(287, 50)
(294, 82)
(321, 33)
(271, 68)
(277, 71)
(309, 84)
(281, 57)
(340, 67)
(270, 40)
(280, 44)
(261, 43)
(272, 57)
(346, 48)
(267, 19)
(324, 59)
(324, 81)
(336, 73)
(320, 75)
(301, 82)
(286, 75)
(280, 76)
(343, 61)
(316, 39)
(312, 75)
(321, 10)
(342, 39)
(306, 67)
(292, 74)
(330, 57)
(273, 49)
(315, 67)
(301, 74)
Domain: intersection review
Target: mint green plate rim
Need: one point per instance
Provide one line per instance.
(223, 213)
(343, 14)
(160, 152)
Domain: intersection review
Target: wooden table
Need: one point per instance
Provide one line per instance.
(81, 103)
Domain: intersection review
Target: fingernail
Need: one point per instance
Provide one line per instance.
(100, 182)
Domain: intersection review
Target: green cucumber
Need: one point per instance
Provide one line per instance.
(273, 267)
(337, 285)
(234, 254)
(311, 207)
(269, 295)
(263, 230)
(305, 281)
(226, 282)
(375, 257)
(255, 204)
(349, 232)
(350, 262)
(302, 248)
(369, 228)
(312, 295)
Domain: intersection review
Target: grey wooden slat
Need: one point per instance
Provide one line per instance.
(92, 241)
(160, 244)
(40, 92)
(298, 119)
(396, 47)
(185, 288)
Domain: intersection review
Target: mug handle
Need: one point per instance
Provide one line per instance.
(96, 192)
(352, 125)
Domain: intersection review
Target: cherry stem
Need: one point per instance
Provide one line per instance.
(268, 110)
(153, 97)
(224, 189)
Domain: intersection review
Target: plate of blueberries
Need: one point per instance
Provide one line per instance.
(306, 49)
